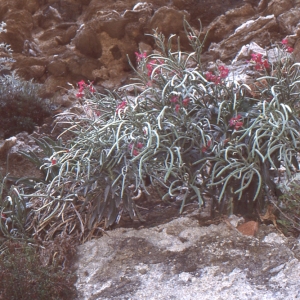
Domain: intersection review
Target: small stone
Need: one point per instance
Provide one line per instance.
(249, 228)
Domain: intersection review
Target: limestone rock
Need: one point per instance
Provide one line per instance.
(100, 34)
(6, 145)
(180, 260)
(168, 21)
(250, 30)
(87, 42)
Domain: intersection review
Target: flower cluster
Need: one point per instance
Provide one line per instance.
(176, 101)
(140, 56)
(260, 64)
(135, 148)
(223, 73)
(288, 49)
(205, 148)
(237, 122)
(82, 85)
(121, 106)
(150, 66)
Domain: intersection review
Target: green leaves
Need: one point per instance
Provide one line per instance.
(189, 132)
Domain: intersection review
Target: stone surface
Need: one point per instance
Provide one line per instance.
(181, 260)
(249, 228)
(90, 40)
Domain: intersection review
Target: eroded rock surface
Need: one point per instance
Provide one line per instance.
(181, 260)
(56, 42)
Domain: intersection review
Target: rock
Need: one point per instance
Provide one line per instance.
(277, 7)
(252, 29)
(36, 71)
(180, 260)
(289, 20)
(6, 145)
(19, 27)
(249, 228)
(102, 34)
(223, 25)
(87, 42)
(57, 67)
(168, 21)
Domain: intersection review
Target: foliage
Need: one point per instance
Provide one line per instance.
(194, 134)
(13, 211)
(22, 276)
(21, 108)
(289, 208)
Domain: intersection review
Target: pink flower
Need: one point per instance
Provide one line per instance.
(97, 113)
(217, 80)
(223, 71)
(174, 99)
(150, 69)
(213, 78)
(284, 42)
(205, 148)
(209, 76)
(289, 49)
(80, 94)
(238, 125)
(257, 57)
(140, 57)
(260, 64)
(177, 107)
(53, 161)
(139, 145)
(135, 152)
(236, 122)
(186, 102)
(81, 83)
(121, 106)
(266, 64)
(92, 89)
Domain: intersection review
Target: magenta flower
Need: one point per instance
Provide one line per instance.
(150, 69)
(209, 76)
(139, 145)
(289, 49)
(140, 56)
(174, 99)
(223, 71)
(80, 94)
(81, 83)
(97, 113)
(236, 122)
(177, 107)
(205, 148)
(185, 102)
(284, 42)
(135, 152)
(260, 64)
(121, 106)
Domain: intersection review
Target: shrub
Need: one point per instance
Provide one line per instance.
(192, 133)
(288, 208)
(21, 108)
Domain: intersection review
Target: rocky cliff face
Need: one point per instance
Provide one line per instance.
(180, 260)
(60, 41)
